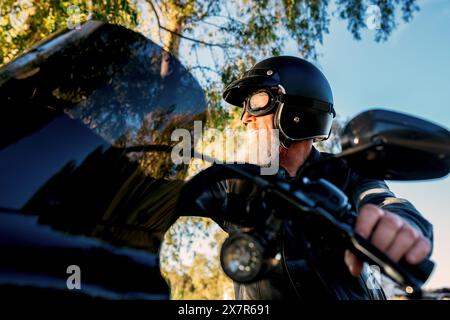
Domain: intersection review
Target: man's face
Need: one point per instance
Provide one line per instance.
(262, 145)
(260, 128)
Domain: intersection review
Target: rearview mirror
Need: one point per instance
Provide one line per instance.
(384, 144)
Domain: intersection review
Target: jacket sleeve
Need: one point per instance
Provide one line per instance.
(365, 191)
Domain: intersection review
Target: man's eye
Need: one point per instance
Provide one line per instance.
(259, 100)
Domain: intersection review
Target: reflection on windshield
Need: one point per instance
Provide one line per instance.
(61, 150)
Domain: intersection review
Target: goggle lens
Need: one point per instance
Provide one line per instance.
(259, 100)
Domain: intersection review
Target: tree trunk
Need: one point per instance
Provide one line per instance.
(174, 21)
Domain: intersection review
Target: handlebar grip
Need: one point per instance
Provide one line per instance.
(403, 273)
(421, 271)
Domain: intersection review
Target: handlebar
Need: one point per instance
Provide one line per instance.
(315, 198)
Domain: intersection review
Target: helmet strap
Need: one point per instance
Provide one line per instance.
(285, 142)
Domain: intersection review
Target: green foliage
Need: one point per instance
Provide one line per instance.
(222, 39)
(25, 22)
(242, 32)
(189, 260)
(354, 12)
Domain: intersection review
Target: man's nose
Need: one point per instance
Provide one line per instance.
(247, 118)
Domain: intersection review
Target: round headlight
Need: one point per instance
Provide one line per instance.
(242, 257)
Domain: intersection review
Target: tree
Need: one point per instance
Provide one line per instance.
(234, 33)
(25, 22)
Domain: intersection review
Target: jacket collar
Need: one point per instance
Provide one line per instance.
(313, 156)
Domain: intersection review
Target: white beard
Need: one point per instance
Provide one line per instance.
(260, 147)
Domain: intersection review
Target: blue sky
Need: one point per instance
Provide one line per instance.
(408, 73)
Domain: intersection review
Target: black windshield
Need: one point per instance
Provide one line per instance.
(69, 107)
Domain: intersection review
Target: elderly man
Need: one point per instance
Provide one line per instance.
(293, 96)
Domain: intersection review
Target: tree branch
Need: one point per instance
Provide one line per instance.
(201, 67)
(206, 13)
(209, 44)
(157, 18)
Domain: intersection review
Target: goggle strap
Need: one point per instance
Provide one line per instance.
(312, 103)
(242, 114)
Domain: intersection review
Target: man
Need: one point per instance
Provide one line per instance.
(293, 96)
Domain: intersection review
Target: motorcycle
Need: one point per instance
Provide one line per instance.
(87, 182)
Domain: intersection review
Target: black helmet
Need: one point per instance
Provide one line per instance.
(292, 88)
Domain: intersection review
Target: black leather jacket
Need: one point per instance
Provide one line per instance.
(296, 277)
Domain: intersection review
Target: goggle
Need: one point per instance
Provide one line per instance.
(266, 101)
(263, 102)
